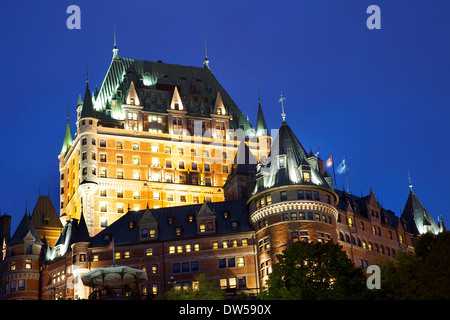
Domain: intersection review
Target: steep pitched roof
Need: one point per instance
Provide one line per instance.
(159, 77)
(68, 138)
(88, 108)
(417, 217)
(44, 214)
(261, 127)
(122, 233)
(24, 228)
(74, 231)
(286, 156)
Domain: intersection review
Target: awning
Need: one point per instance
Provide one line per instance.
(114, 276)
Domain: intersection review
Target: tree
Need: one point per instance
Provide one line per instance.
(419, 275)
(206, 290)
(315, 271)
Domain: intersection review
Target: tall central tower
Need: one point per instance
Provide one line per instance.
(154, 134)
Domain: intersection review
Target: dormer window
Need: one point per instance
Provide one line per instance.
(282, 161)
(305, 172)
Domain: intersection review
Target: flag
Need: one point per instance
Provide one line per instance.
(329, 162)
(317, 154)
(342, 167)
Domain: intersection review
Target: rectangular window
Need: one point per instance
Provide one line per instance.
(316, 195)
(283, 196)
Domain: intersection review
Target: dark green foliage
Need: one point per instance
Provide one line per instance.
(422, 275)
(206, 291)
(315, 271)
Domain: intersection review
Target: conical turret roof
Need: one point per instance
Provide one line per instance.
(68, 138)
(418, 219)
(88, 107)
(285, 163)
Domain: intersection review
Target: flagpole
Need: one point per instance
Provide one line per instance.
(334, 174)
(114, 255)
(346, 176)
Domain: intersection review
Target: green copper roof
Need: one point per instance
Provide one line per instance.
(417, 217)
(68, 139)
(287, 157)
(88, 108)
(155, 82)
(261, 127)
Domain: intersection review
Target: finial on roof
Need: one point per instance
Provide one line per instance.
(115, 50)
(410, 184)
(283, 115)
(259, 98)
(206, 62)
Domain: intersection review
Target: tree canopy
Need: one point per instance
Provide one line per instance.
(315, 271)
(419, 275)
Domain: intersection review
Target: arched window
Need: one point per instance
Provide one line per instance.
(341, 236)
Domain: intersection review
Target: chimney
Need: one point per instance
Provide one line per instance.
(5, 227)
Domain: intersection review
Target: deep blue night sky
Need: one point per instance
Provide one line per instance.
(378, 97)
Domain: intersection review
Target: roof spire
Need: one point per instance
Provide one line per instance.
(283, 115)
(410, 184)
(206, 62)
(115, 50)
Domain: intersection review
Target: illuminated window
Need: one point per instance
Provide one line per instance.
(126, 254)
(244, 242)
(240, 262)
(306, 176)
(171, 249)
(117, 255)
(135, 146)
(119, 174)
(264, 244)
(167, 150)
(118, 145)
(196, 246)
(135, 160)
(154, 148)
(156, 196)
(28, 263)
(152, 232)
(103, 206)
(136, 195)
(214, 244)
(350, 221)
